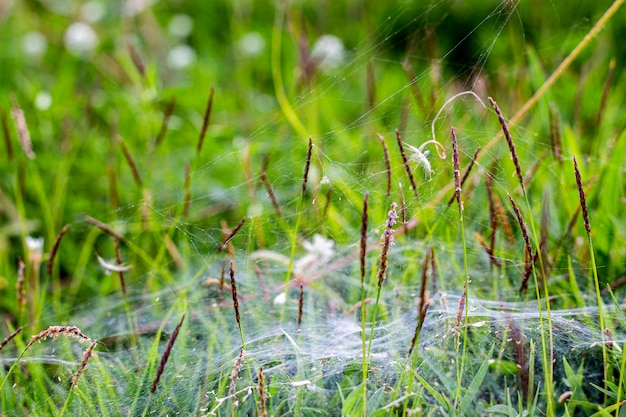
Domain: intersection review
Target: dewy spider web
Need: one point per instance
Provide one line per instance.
(347, 162)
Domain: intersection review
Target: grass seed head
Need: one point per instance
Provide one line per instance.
(54, 332)
(86, 356)
(509, 141)
(166, 355)
(9, 337)
(405, 161)
(386, 243)
(582, 198)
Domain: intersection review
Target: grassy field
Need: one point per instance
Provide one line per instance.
(312, 208)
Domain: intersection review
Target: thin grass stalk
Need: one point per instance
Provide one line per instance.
(466, 291)
(205, 120)
(167, 114)
(19, 287)
(106, 229)
(466, 174)
(423, 303)
(262, 394)
(166, 355)
(233, 284)
(55, 248)
(86, 356)
(548, 364)
(296, 229)
(528, 249)
(362, 254)
(7, 339)
(387, 162)
(53, 332)
(555, 133)
(232, 234)
(21, 126)
(594, 268)
(118, 259)
(307, 165)
(386, 241)
(405, 162)
(268, 186)
(130, 160)
(300, 307)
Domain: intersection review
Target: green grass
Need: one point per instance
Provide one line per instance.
(554, 70)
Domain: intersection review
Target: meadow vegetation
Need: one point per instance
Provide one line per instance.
(304, 208)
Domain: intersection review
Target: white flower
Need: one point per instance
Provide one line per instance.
(35, 248)
(319, 252)
(34, 244)
(328, 51)
(80, 38)
(93, 11)
(422, 160)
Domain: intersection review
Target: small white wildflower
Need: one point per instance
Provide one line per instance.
(111, 267)
(251, 44)
(34, 44)
(280, 299)
(80, 38)
(43, 100)
(319, 251)
(325, 180)
(180, 25)
(181, 56)
(421, 158)
(35, 248)
(328, 51)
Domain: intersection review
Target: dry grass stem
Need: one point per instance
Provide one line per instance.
(268, 186)
(10, 337)
(205, 120)
(307, 165)
(54, 332)
(405, 161)
(106, 229)
(232, 234)
(509, 141)
(520, 356)
(22, 128)
(6, 134)
(386, 243)
(457, 171)
(387, 162)
(466, 174)
(262, 394)
(582, 198)
(167, 113)
(329, 194)
(300, 306)
(166, 355)
(528, 252)
(118, 259)
(55, 248)
(130, 160)
(86, 356)
(19, 287)
(363, 245)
